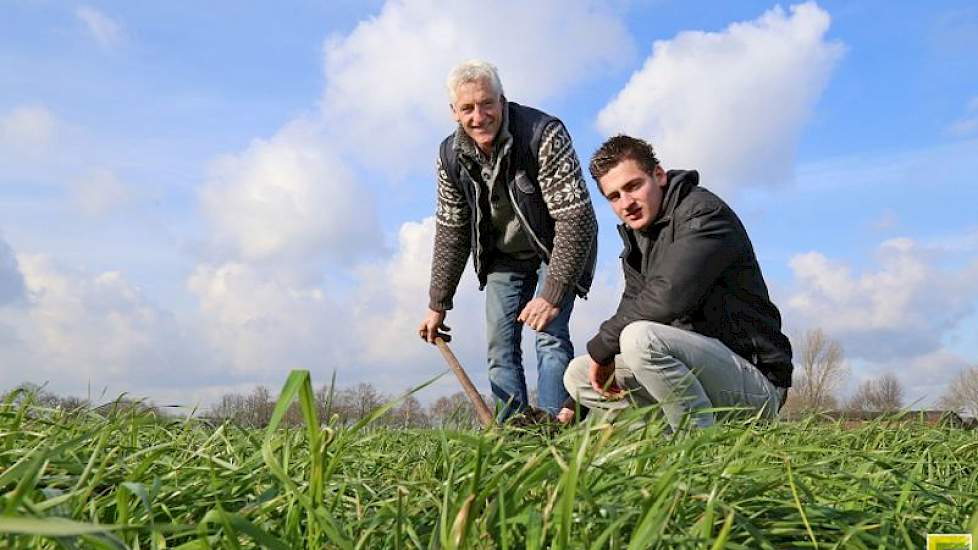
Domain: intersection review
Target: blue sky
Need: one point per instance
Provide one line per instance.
(196, 199)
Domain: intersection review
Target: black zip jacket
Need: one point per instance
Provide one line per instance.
(698, 273)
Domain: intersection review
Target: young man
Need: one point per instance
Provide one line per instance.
(695, 327)
(511, 193)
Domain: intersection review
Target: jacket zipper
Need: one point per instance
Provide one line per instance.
(478, 221)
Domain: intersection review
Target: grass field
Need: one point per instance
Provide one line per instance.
(126, 479)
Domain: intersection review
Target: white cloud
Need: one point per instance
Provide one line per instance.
(392, 298)
(99, 192)
(293, 197)
(901, 310)
(12, 288)
(968, 124)
(601, 303)
(79, 328)
(385, 92)
(963, 243)
(925, 377)
(106, 31)
(290, 198)
(27, 129)
(730, 103)
(265, 320)
(887, 220)
(260, 322)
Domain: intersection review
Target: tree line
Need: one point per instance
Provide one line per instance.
(253, 409)
(822, 374)
(820, 379)
(346, 406)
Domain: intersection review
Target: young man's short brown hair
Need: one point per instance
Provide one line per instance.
(620, 148)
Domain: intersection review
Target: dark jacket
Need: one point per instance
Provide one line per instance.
(530, 199)
(698, 273)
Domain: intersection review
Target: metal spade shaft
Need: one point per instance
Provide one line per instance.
(481, 410)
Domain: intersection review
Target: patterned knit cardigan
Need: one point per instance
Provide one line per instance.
(557, 173)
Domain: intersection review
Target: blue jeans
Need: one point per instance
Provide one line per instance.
(507, 294)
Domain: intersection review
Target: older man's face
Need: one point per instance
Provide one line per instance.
(480, 112)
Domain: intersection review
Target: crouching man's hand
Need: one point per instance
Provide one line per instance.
(538, 313)
(433, 323)
(603, 380)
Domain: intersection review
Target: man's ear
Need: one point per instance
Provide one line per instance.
(451, 107)
(661, 178)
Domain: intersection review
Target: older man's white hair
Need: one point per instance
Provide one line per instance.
(473, 70)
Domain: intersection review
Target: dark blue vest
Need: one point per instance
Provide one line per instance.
(520, 168)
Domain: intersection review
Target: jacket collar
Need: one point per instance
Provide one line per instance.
(681, 182)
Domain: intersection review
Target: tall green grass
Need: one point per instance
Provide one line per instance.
(126, 479)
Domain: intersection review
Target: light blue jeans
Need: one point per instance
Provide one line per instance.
(507, 294)
(684, 371)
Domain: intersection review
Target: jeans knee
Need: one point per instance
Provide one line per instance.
(634, 340)
(560, 349)
(501, 370)
(638, 341)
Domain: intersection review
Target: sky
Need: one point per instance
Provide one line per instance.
(198, 198)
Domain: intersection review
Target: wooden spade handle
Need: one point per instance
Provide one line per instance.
(481, 410)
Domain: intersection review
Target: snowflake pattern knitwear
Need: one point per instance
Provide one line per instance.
(568, 203)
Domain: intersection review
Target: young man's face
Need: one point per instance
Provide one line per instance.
(635, 196)
(480, 112)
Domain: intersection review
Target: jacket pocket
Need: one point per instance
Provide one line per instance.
(524, 184)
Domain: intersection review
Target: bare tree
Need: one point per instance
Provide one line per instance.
(72, 403)
(343, 405)
(410, 414)
(962, 393)
(455, 411)
(33, 393)
(440, 412)
(881, 394)
(38, 395)
(352, 404)
(230, 407)
(326, 397)
(367, 398)
(253, 410)
(259, 407)
(820, 374)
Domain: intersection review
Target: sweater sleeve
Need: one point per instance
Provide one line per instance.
(452, 245)
(567, 199)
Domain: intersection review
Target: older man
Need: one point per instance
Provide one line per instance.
(695, 328)
(511, 194)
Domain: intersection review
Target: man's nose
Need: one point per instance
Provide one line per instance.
(478, 116)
